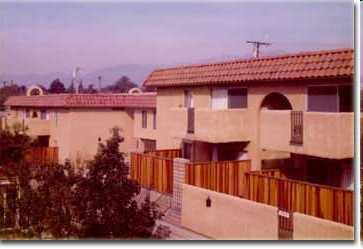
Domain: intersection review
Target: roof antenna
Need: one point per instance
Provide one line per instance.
(256, 47)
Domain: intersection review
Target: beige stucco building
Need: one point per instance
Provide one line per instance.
(293, 110)
(76, 123)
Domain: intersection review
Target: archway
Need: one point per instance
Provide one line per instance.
(272, 158)
(34, 90)
(276, 101)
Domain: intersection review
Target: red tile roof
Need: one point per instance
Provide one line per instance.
(306, 65)
(85, 100)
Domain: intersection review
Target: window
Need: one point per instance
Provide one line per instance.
(229, 98)
(35, 114)
(219, 98)
(237, 98)
(43, 114)
(154, 120)
(323, 99)
(144, 119)
(27, 113)
(188, 99)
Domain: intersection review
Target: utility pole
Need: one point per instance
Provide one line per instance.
(256, 47)
(99, 83)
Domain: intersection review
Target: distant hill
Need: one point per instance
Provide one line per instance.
(136, 72)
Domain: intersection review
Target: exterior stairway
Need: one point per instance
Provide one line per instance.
(170, 218)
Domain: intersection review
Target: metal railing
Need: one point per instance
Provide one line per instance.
(297, 128)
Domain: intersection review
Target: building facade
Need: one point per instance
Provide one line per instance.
(76, 123)
(293, 111)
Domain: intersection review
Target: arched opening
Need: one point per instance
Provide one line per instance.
(273, 158)
(34, 90)
(276, 101)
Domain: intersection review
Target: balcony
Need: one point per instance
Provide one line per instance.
(329, 135)
(215, 126)
(36, 127)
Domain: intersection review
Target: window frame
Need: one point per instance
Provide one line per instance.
(336, 86)
(228, 97)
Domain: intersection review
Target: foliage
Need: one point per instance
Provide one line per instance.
(11, 90)
(14, 144)
(59, 201)
(106, 205)
(46, 201)
(57, 87)
(122, 85)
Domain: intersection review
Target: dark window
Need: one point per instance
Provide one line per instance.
(154, 119)
(27, 113)
(346, 98)
(144, 119)
(43, 114)
(35, 114)
(323, 99)
(237, 98)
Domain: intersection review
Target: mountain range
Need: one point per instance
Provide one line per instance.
(136, 72)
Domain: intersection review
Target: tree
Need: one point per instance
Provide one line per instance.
(106, 206)
(90, 89)
(57, 87)
(71, 88)
(11, 90)
(122, 85)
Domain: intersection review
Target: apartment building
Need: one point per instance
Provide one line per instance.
(76, 123)
(293, 110)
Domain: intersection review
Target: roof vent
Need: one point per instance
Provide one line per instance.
(34, 90)
(134, 90)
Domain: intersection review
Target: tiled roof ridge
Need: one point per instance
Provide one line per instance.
(272, 57)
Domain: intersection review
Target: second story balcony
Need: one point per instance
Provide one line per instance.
(217, 126)
(35, 126)
(321, 134)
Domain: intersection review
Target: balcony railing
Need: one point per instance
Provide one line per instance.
(296, 128)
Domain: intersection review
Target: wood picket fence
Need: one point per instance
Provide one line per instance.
(321, 201)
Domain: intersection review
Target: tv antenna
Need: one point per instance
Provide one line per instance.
(256, 47)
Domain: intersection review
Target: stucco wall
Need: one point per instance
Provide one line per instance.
(76, 131)
(312, 228)
(149, 132)
(329, 135)
(228, 217)
(86, 126)
(219, 125)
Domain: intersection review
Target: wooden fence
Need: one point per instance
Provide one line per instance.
(225, 177)
(170, 154)
(153, 172)
(43, 155)
(316, 200)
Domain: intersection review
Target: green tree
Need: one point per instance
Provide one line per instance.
(11, 90)
(106, 205)
(57, 87)
(122, 85)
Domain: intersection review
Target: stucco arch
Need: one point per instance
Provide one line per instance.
(135, 90)
(36, 89)
(275, 101)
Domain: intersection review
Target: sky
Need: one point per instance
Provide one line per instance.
(41, 37)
